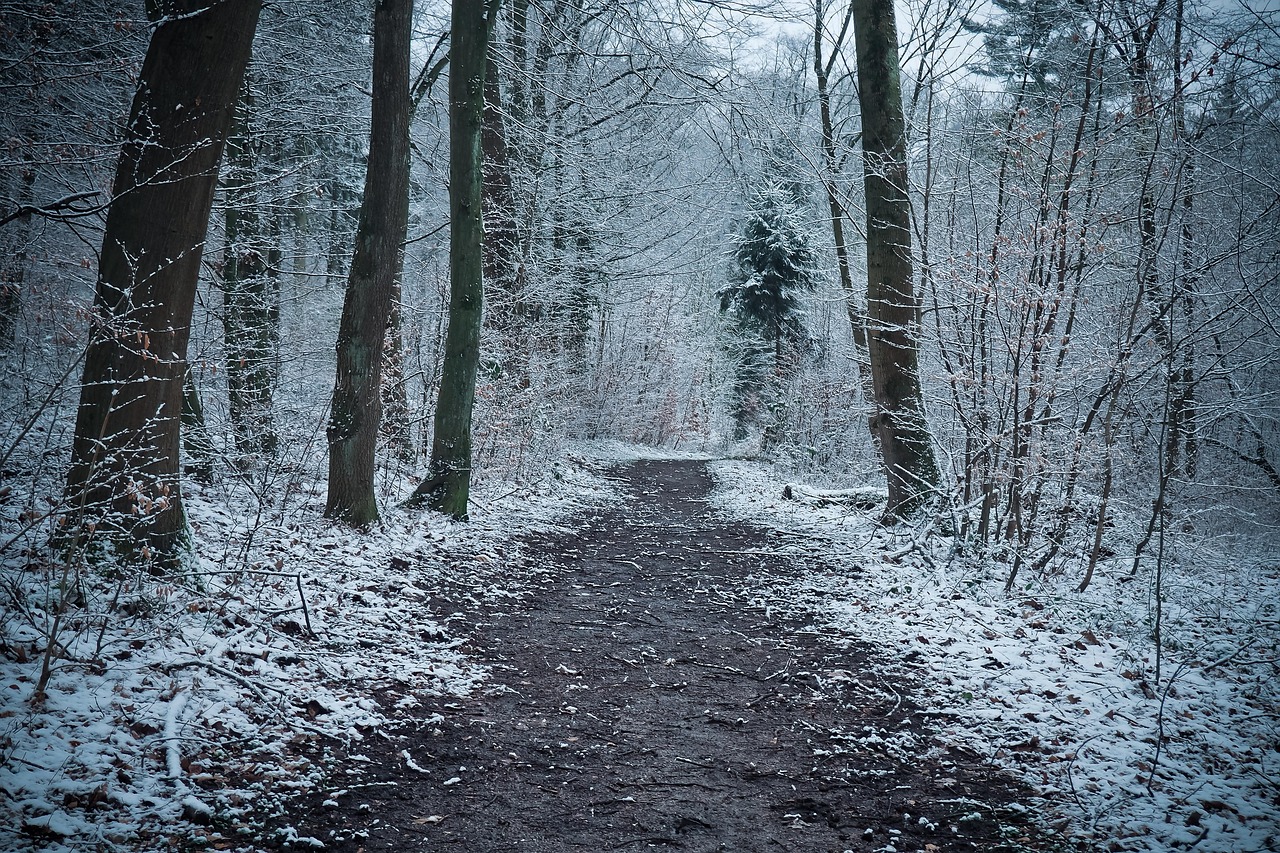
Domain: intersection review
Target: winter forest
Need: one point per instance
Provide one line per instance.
(809, 425)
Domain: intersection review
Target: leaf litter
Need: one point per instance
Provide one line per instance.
(185, 711)
(1059, 687)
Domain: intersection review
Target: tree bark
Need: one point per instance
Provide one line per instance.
(447, 486)
(251, 296)
(892, 306)
(123, 478)
(384, 217)
(500, 255)
(835, 207)
(396, 427)
(13, 261)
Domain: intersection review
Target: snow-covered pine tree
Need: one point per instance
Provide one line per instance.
(773, 265)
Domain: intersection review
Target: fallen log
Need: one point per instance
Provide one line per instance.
(862, 497)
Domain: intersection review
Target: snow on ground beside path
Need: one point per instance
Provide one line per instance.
(223, 691)
(1059, 687)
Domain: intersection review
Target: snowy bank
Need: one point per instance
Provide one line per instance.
(1060, 687)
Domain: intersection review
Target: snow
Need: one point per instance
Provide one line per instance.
(1058, 687)
(220, 691)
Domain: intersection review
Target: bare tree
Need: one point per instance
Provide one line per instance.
(123, 478)
(384, 215)
(898, 424)
(823, 65)
(447, 485)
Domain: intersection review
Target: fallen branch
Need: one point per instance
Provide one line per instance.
(223, 671)
(864, 497)
(172, 748)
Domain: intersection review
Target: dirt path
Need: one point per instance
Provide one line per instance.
(644, 702)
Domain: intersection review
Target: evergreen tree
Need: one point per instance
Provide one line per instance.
(774, 265)
(1031, 43)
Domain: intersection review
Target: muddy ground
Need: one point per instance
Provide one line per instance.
(646, 696)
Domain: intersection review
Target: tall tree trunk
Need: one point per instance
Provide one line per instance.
(396, 428)
(835, 207)
(448, 481)
(1183, 439)
(250, 294)
(123, 478)
(892, 306)
(519, 27)
(501, 245)
(13, 261)
(384, 217)
(585, 276)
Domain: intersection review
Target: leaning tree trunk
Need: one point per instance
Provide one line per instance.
(892, 307)
(384, 218)
(123, 479)
(448, 481)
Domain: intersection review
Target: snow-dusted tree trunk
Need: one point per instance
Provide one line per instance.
(250, 293)
(384, 217)
(892, 307)
(123, 478)
(448, 481)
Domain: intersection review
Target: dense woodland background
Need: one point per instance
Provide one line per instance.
(1093, 198)
(675, 257)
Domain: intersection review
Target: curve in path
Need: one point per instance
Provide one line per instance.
(644, 701)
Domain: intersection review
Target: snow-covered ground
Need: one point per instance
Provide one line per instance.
(1060, 687)
(298, 638)
(223, 692)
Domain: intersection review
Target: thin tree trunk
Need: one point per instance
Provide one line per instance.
(581, 294)
(250, 296)
(384, 217)
(123, 476)
(501, 244)
(13, 262)
(835, 208)
(1183, 432)
(892, 306)
(195, 433)
(395, 387)
(448, 482)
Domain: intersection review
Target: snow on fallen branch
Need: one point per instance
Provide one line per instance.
(863, 497)
(172, 743)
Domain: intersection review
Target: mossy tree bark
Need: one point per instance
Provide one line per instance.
(384, 217)
(123, 479)
(898, 424)
(448, 482)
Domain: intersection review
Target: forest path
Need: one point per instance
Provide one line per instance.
(642, 700)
